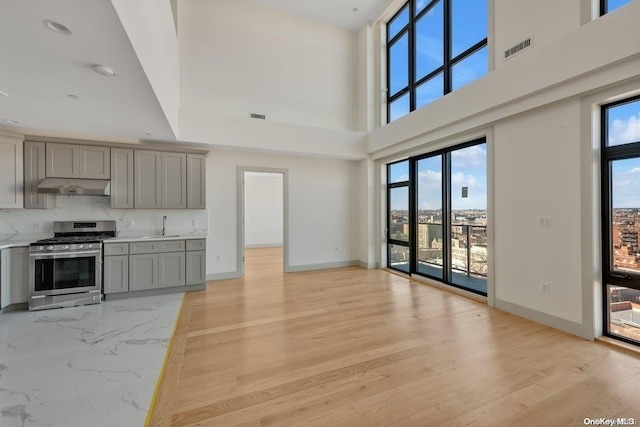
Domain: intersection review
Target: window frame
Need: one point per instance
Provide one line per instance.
(448, 61)
(412, 244)
(609, 154)
(604, 5)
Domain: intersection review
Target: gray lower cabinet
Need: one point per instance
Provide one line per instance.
(19, 275)
(143, 272)
(172, 269)
(5, 277)
(116, 274)
(196, 264)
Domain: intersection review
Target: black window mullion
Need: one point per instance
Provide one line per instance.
(447, 46)
(446, 217)
(412, 55)
(467, 53)
(603, 7)
(413, 216)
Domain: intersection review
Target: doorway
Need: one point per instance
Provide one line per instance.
(263, 218)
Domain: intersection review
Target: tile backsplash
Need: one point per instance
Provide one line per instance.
(129, 222)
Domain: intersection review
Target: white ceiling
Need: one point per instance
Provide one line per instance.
(40, 68)
(335, 12)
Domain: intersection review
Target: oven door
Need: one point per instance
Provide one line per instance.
(65, 273)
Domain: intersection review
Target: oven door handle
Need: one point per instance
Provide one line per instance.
(61, 254)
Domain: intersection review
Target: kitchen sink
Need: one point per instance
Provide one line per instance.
(159, 236)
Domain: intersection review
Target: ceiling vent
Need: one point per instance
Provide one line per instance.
(257, 116)
(528, 42)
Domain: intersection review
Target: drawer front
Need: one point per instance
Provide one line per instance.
(116, 249)
(143, 247)
(171, 246)
(196, 245)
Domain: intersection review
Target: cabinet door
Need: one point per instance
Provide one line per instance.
(174, 180)
(63, 160)
(34, 173)
(5, 277)
(172, 269)
(11, 178)
(147, 179)
(19, 275)
(196, 181)
(121, 178)
(196, 267)
(143, 272)
(95, 162)
(116, 274)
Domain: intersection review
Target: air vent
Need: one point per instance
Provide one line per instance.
(257, 116)
(518, 48)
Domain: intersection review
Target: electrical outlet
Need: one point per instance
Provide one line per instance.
(36, 225)
(218, 258)
(544, 222)
(130, 224)
(194, 222)
(544, 288)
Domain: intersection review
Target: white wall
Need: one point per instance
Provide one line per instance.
(151, 29)
(263, 214)
(537, 175)
(321, 219)
(240, 56)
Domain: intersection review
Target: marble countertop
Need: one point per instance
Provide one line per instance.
(23, 240)
(143, 238)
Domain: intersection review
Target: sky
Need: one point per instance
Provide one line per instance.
(468, 169)
(469, 26)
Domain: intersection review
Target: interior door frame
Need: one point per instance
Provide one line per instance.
(240, 173)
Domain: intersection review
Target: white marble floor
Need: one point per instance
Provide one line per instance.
(95, 365)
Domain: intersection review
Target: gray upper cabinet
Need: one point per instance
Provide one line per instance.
(147, 174)
(95, 162)
(196, 181)
(78, 161)
(34, 173)
(63, 160)
(174, 180)
(122, 178)
(11, 176)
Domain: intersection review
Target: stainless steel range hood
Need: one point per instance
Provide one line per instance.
(75, 187)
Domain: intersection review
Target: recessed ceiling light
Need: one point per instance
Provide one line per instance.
(58, 28)
(13, 122)
(355, 9)
(3, 93)
(145, 134)
(103, 70)
(76, 97)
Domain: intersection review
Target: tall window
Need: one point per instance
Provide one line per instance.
(621, 219)
(607, 6)
(437, 217)
(433, 48)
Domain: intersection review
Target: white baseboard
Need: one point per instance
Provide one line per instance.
(264, 245)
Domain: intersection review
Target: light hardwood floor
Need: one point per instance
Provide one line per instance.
(355, 347)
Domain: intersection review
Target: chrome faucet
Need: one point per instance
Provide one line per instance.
(164, 225)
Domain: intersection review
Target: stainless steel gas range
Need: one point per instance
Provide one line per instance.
(66, 270)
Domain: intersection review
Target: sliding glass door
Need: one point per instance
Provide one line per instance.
(621, 219)
(437, 217)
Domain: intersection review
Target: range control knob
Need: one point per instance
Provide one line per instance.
(90, 246)
(49, 248)
(41, 248)
(81, 246)
(66, 246)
